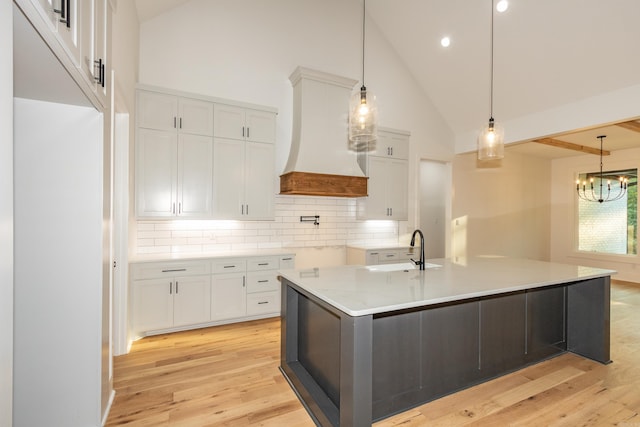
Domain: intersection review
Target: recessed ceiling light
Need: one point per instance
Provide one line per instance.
(445, 41)
(502, 5)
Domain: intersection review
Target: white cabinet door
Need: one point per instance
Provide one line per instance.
(375, 205)
(260, 126)
(87, 41)
(195, 117)
(157, 111)
(259, 187)
(63, 17)
(152, 304)
(93, 45)
(228, 296)
(156, 173)
(192, 300)
(195, 176)
(229, 121)
(46, 9)
(228, 178)
(397, 192)
(247, 124)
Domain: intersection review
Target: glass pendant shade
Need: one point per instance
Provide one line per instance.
(363, 118)
(491, 142)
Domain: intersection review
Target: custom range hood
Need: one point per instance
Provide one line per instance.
(321, 162)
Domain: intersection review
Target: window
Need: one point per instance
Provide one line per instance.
(609, 227)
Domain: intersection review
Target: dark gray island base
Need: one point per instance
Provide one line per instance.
(355, 370)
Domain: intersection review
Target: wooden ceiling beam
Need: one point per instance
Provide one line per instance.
(632, 125)
(571, 146)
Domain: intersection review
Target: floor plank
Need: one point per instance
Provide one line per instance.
(228, 376)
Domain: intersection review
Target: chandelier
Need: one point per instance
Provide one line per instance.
(589, 193)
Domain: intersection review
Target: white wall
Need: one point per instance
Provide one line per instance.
(563, 219)
(125, 59)
(6, 213)
(58, 269)
(501, 210)
(246, 51)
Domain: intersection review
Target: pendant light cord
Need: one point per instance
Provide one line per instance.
(364, 8)
(491, 97)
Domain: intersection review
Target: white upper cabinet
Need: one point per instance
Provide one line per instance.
(195, 116)
(157, 111)
(174, 156)
(82, 30)
(243, 181)
(244, 163)
(63, 17)
(93, 45)
(391, 144)
(156, 173)
(182, 170)
(244, 123)
(388, 170)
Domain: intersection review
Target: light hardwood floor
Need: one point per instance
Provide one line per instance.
(228, 375)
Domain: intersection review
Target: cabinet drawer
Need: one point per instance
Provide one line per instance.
(229, 265)
(261, 282)
(263, 263)
(263, 302)
(287, 261)
(385, 257)
(153, 270)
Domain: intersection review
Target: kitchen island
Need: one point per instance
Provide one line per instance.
(360, 343)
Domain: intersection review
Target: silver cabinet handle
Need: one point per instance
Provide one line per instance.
(243, 131)
(248, 131)
(176, 286)
(263, 281)
(174, 269)
(263, 302)
(229, 266)
(174, 122)
(170, 288)
(180, 122)
(243, 281)
(179, 208)
(173, 208)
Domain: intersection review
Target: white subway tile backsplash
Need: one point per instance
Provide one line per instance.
(338, 226)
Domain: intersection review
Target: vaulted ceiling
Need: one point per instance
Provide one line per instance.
(547, 53)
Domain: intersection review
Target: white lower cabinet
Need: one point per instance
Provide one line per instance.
(171, 295)
(168, 295)
(228, 289)
(191, 300)
(374, 256)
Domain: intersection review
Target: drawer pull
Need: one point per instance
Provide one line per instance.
(263, 302)
(263, 281)
(174, 269)
(263, 263)
(229, 266)
(287, 259)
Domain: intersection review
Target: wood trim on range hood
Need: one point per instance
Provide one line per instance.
(321, 184)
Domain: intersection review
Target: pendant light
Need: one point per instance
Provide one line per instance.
(363, 112)
(590, 195)
(491, 138)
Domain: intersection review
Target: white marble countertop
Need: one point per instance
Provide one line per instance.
(364, 290)
(185, 256)
(379, 246)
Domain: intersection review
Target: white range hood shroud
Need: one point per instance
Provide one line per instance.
(320, 139)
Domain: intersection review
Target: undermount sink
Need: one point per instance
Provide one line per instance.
(404, 266)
